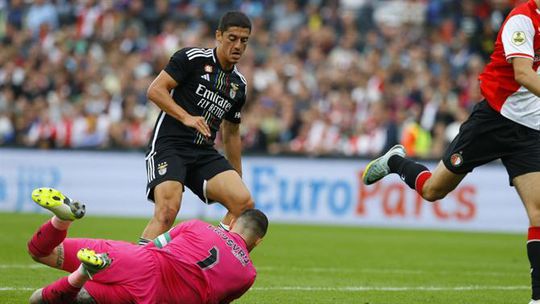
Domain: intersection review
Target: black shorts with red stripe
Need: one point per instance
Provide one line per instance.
(487, 136)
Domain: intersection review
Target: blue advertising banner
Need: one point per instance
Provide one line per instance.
(294, 190)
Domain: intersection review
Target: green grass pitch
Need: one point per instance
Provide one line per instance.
(322, 264)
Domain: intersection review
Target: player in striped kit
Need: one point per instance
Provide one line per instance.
(198, 91)
(193, 263)
(505, 126)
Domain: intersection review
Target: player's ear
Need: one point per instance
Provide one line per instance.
(219, 36)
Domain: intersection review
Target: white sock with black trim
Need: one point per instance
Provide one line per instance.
(224, 227)
(143, 241)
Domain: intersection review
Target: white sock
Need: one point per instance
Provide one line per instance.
(77, 278)
(225, 227)
(60, 224)
(143, 241)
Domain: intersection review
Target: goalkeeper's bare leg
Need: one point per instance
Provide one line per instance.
(46, 247)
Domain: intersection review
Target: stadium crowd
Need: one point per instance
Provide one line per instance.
(349, 77)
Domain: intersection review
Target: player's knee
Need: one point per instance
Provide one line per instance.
(167, 207)
(534, 214)
(433, 194)
(36, 297)
(35, 258)
(248, 204)
(534, 219)
(241, 202)
(245, 201)
(168, 194)
(165, 215)
(30, 251)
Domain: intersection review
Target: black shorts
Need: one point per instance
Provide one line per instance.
(192, 166)
(486, 136)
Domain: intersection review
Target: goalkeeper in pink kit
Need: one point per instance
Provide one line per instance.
(194, 262)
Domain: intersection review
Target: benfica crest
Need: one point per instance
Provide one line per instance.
(162, 168)
(232, 91)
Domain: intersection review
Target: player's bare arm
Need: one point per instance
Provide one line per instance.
(525, 75)
(159, 93)
(232, 144)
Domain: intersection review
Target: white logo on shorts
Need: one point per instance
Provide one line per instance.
(162, 168)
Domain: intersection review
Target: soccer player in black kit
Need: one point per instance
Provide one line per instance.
(199, 90)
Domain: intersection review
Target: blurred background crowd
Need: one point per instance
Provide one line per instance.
(349, 77)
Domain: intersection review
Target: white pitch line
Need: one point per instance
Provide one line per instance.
(23, 266)
(351, 288)
(321, 270)
(388, 288)
(340, 270)
(378, 270)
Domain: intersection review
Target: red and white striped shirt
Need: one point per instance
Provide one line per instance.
(519, 36)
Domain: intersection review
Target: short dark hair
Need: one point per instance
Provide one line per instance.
(234, 18)
(254, 220)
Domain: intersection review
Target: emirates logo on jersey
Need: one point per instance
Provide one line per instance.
(518, 38)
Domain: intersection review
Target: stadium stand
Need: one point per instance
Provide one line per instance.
(325, 77)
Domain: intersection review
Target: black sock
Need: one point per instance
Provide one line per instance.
(533, 252)
(143, 241)
(407, 169)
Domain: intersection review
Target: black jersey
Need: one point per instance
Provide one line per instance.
(204, 89)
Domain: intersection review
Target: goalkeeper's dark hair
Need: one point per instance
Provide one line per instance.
(255, 221)
(234, 18)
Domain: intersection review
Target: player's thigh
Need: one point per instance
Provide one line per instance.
(442, 180)
(523, 167)
(227, 187)
(527, 186)
(168, 195)
(105, 293)
(55, 259)
(213, 178)
(71, 246)
(525, 156)
(485, 136)
(133, 274)
(64, 256)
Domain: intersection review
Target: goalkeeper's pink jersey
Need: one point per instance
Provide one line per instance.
(201, 263)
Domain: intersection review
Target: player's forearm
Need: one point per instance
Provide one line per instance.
(530, 80)
(162, 98)
(232, 144)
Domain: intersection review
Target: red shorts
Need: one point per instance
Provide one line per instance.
(131, 278)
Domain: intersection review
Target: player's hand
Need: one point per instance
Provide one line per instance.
(198, 123)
